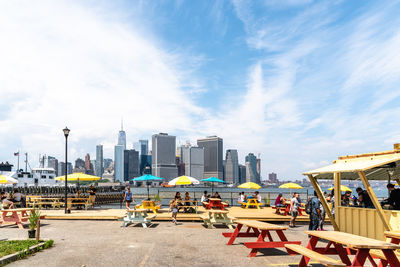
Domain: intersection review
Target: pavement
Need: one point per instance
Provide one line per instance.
(106, 243)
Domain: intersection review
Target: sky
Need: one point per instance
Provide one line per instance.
(299, 81)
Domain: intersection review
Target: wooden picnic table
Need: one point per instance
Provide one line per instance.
(260, 230)
(39, 202)
(77, 201)
(286, 209)
(251, 202)
(148, 205)
(217, 216)
(215, 203)
(394, 236)
(185, 204)
(358, 245)
(17, 216)
(137, 216)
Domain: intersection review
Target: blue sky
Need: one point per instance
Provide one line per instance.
(300, 82)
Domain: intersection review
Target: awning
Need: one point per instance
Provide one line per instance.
(376, 167)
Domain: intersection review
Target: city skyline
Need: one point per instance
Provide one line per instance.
(300, 82)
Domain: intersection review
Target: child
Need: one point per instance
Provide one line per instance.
(173, 207)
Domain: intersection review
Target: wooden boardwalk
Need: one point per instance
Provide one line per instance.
(264, 214)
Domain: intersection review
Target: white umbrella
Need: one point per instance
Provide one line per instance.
(7, 180)
(183, 180)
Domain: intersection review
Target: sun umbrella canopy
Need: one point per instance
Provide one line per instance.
(78, 176)
(291, 186)
(7, 180)
(146, 177)
(249, 185)
(213, 179)
(343, 188)
(183, 180)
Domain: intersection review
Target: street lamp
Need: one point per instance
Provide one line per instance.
(66, 133)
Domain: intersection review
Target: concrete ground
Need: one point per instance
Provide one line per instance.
(106, 243)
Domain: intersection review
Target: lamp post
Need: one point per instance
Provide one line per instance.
(66, 133)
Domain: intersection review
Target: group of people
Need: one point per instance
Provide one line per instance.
(206, 196)
(243, 198)
(9, 201)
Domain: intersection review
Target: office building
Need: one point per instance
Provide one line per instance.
(88, 165)
(122, 137)
(231, 172)
(242, 174)
(192, 159)
(259, 167)
(163, 156)
(99, 169)
(251, 169)
(131, 164)
(52, 162)
(145, 161)
(61, 168)
(180, 166)
(273, 178)
(79, 164)
(144, 147)
(213, 156)
(119, 163)
(107, 163)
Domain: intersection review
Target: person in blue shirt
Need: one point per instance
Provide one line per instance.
(128, 197)
(315, 215)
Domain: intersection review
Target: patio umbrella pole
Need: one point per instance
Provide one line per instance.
(148, 192)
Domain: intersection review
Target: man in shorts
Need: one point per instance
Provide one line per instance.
(294, 209)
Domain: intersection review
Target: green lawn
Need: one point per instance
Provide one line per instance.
(11, 246)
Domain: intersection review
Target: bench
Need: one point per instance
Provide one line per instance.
(216, 216)
(315, 256)
(78, 202)
(137, 216)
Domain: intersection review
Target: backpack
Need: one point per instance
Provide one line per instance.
(308, 206)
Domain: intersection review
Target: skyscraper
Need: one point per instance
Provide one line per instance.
(52, 162)
(107, 163)
(251, 169)
(232, 166)
(145, 161)
(79, 164)
(259, 167)
(99, 161)
(213, 157)
(61, 168)
(242, 174)
(122, 137)
(193, 160)
(119, 163)
(88, 165)
(131, 164)
(163, 156)
(144, 147)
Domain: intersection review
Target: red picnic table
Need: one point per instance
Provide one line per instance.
(355, 245)
(215, 203)
(17, 216)
(286, 209)
(259, 230)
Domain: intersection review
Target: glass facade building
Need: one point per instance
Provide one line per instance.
(213, 156)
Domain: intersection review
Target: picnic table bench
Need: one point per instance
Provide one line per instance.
(286, 209)
(260, 230)
(355, 245)
(394, 239)
(148, 205)
(185, 206)
(216, 216)
(17, 216)
(78, 201)
(251, 202)
(137, 216)
(40, 202)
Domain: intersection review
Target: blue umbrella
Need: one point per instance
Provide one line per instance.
(145, 178)
(213, 180)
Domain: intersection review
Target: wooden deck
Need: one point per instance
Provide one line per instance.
(264, 214)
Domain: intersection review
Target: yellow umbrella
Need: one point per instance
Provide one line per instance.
(183, 180)
(7, 180)
(249, 185)
(343, 188)
(78, 176)
(291, 186)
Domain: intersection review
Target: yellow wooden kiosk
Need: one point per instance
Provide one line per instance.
(371, 223)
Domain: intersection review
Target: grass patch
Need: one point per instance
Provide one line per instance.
(11, 246)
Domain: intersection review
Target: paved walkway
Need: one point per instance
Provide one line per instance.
(105, 243)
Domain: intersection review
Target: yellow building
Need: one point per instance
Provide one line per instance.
(365, 167)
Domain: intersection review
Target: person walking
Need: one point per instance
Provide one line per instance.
(128, 197)
(294, 209)
(315, 215)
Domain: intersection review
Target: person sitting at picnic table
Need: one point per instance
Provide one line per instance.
(78, 195)
(173, 207)
(394, 197)
(279, 202)
(204, 198)
(257, 196)
(187, 202)
(216, 195)
(364, 199)
(92, 195)
(18, 197)
(244, 197)
(128, 197)
(346, 199)
(5, 201)
(241, 197)
(294, 207)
